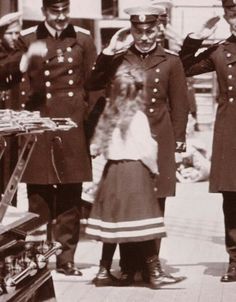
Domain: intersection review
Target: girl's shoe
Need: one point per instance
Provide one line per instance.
(105, 278)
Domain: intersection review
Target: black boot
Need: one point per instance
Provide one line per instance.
(104, 276)
(126, 278)
(157, 277)
(230, 275)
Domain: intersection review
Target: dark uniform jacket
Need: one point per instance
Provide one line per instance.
(57, 90)
(222, 59)
(166, 102)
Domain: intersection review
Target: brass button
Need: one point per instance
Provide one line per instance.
(230, 88)
(47, 72)
(231, 100)
(156, 80)
(71, 82)
(22, 92)
(151, 110)
(230, 76)
(49, 96)
(70, 93)
(158, 70)
(155, 90)
(70, 60)
(153, 100)
(230, 65)
(228, 55)
(70, 71)
(69, 49)
(48, 84)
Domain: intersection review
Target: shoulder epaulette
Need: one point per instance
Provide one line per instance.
(29, 30)
(172, 52)
(215, 45)
(218, 43)
(221, 42)
(82, 30)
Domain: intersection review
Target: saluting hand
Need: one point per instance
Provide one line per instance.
(207, 29)
(120, 42)
(94, 150)
(36, 49)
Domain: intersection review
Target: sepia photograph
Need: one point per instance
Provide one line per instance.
(117, 150)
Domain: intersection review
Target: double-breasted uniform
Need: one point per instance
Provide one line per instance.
(166, 102)
(60, 161)
(221, 58)
(58, 91)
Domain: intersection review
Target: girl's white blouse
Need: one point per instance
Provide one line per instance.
(137, 145)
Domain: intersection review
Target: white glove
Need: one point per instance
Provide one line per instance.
(120, 42)
(36, 49)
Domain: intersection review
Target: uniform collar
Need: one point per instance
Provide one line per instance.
(155, 49)
(232, 39)
(43, 32)
(155, 57)
(51, 30)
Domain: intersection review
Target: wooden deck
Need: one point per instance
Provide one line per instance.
(194, 248)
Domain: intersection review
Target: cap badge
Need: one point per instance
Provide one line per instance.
(142, 18)
(234, 1)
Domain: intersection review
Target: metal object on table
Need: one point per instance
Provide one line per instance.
(43, 257)
(11, 282)
(28, 124)
(23, 265)
(28, 263)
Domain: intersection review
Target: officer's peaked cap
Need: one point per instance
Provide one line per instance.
(10, 19)
(167, 4)
(144, 14)
(49, 3)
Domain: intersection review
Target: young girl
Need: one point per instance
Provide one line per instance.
(125, 209)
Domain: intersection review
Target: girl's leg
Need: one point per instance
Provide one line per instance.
(128, 261)
(108, 250)
(104, 277)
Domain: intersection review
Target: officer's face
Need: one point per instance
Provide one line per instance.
(57, 16)
(230, 17)
(11, 35)
(145, 35)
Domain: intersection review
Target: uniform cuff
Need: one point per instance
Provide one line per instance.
(180, 147)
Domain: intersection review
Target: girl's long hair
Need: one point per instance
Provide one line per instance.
(126, 97)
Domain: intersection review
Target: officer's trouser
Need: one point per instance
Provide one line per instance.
(229, 209)
(62, 202)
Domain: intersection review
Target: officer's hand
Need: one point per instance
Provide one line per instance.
(174, 38)
(120, 42)
(38, 48)
(207, 29)
(94, 150)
